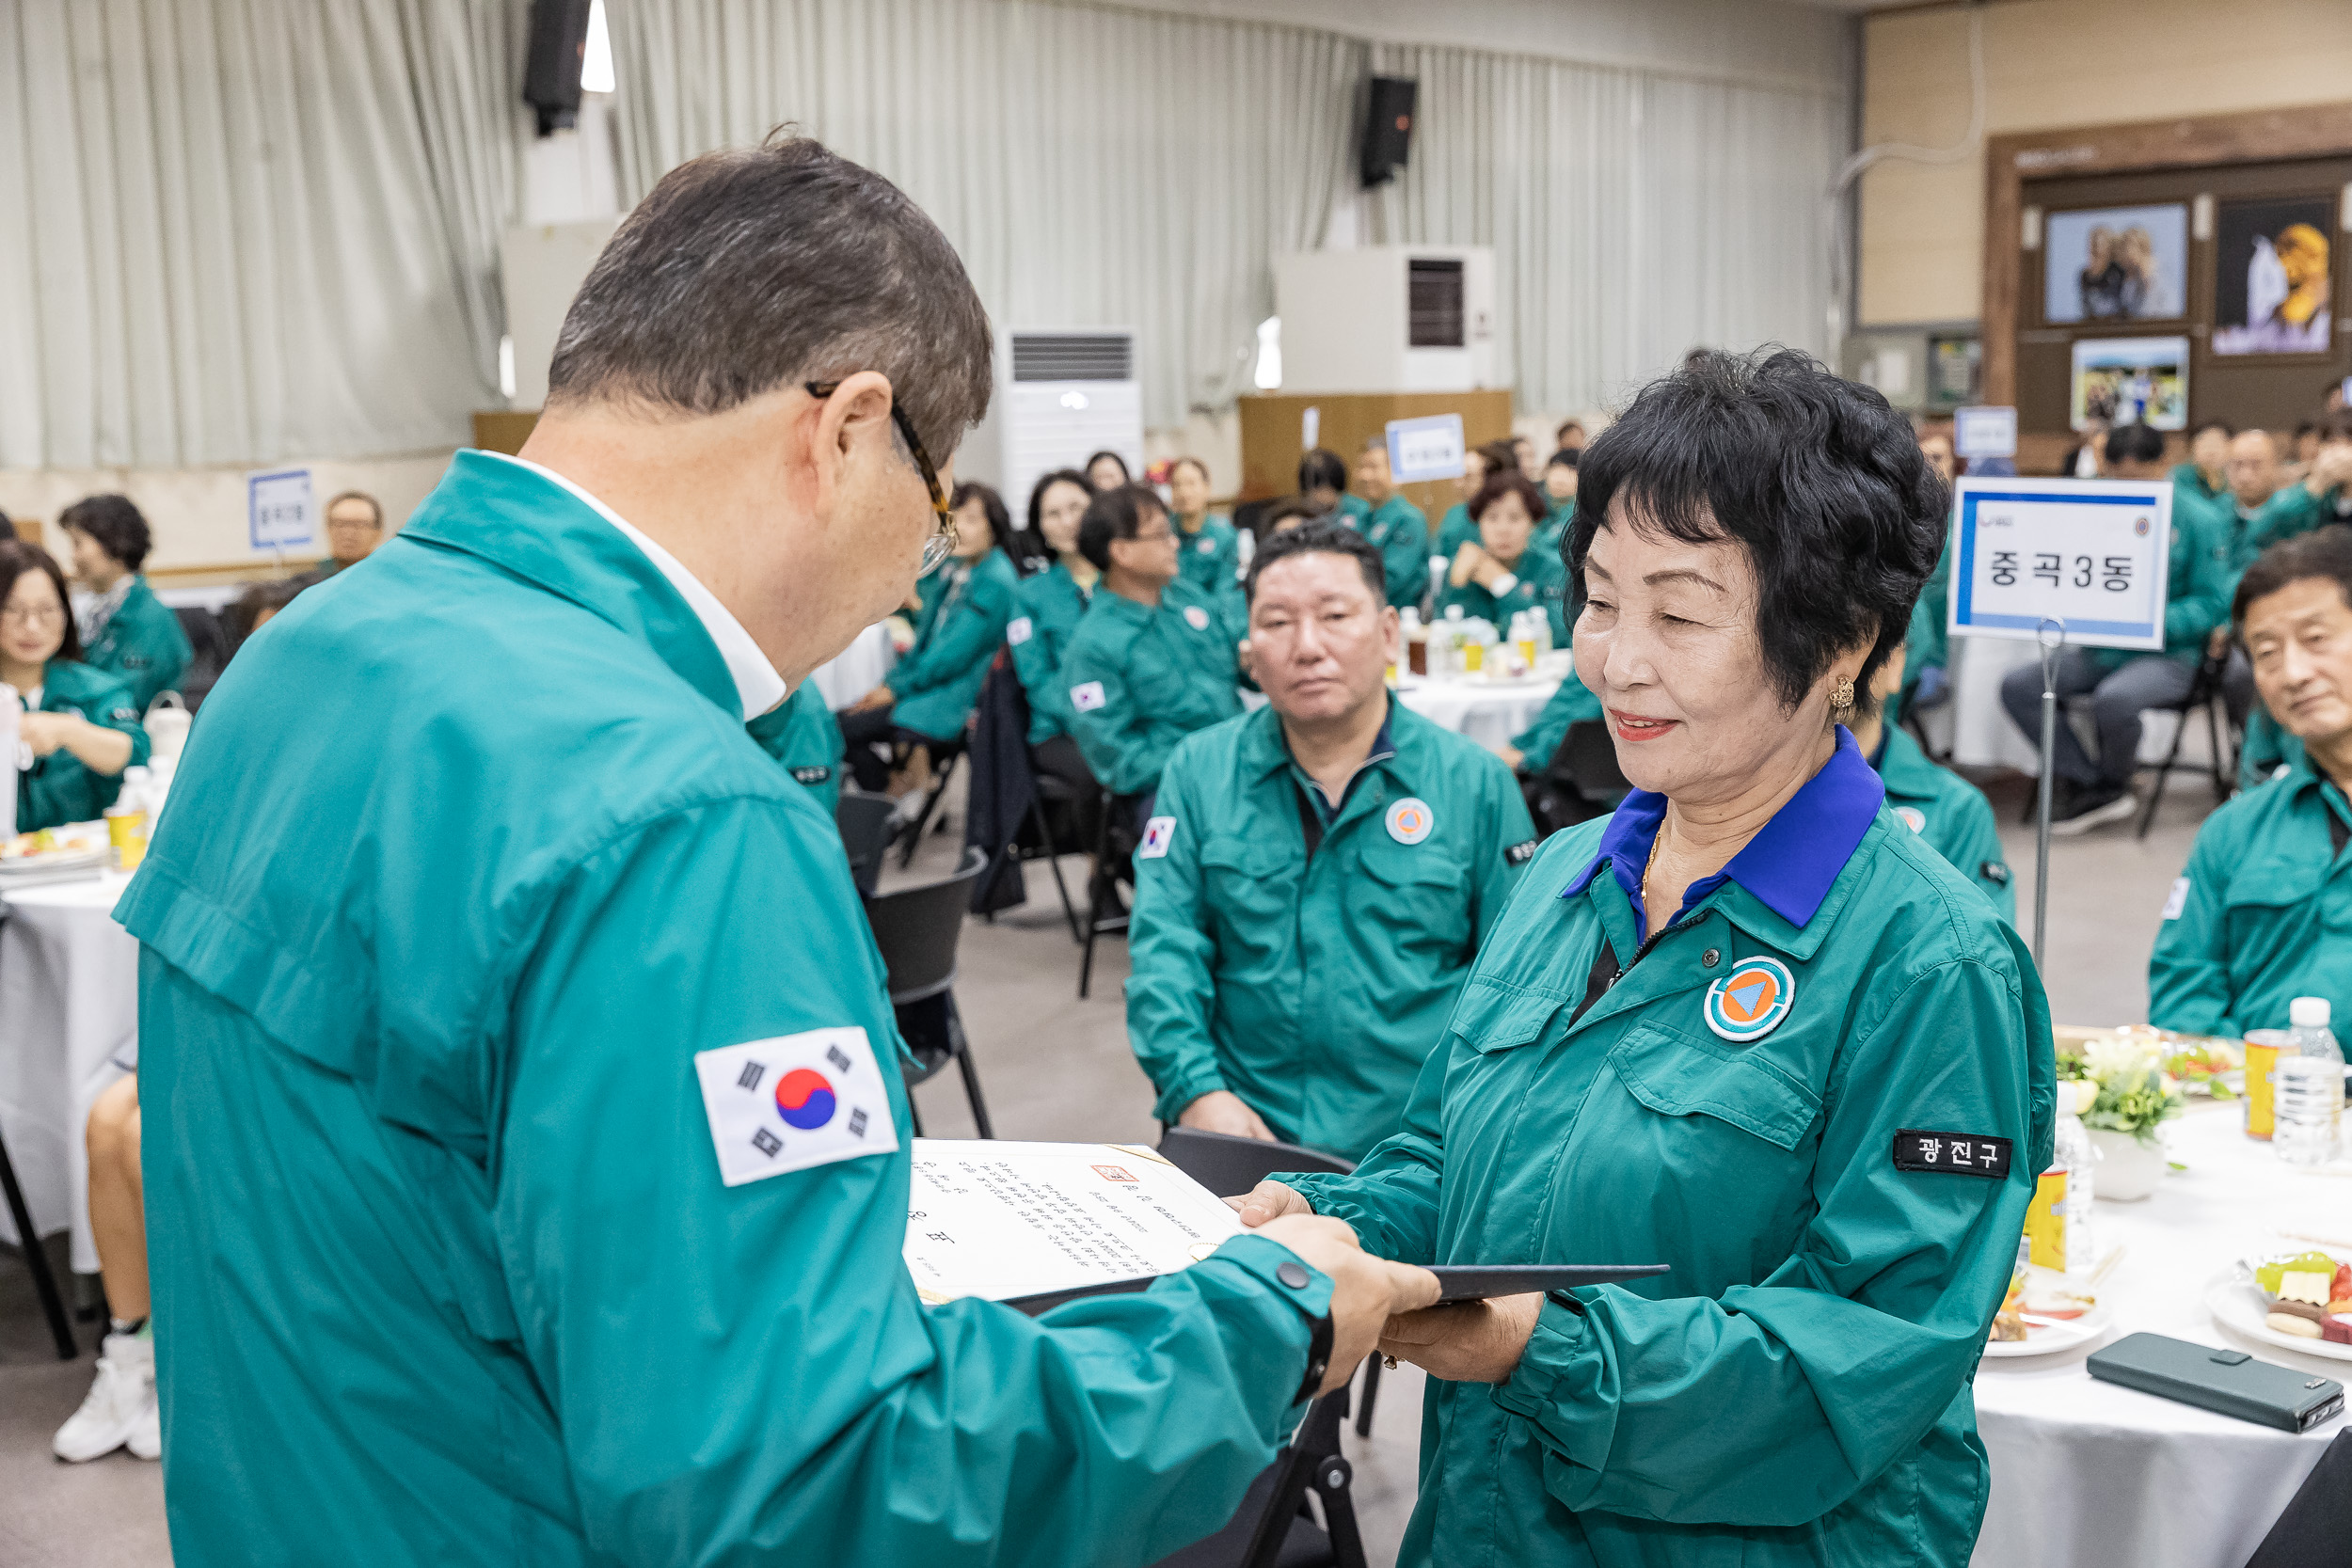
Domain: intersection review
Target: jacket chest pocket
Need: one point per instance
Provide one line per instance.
(1416, 894)
(1248, 887)
(2260, 895)
(1697, 1138)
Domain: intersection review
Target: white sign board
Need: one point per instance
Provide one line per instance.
(280, 511)
(2094, 554)
(1425, 449)
(1986, 431)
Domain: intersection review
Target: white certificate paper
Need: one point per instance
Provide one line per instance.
(1001, 1220)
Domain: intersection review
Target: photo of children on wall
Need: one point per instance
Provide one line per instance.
(2115, 263)
(2131, 381)
(2271, 276)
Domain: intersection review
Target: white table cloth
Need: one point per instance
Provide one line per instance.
(1489, 712)
(69, 1006)
(2090, 1474)
(859, 668)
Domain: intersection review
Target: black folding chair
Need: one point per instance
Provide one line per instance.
(1048, 797)
(1113, 862)
(916, 929)
(1230, 1166)
(2203, 691)
(865, 824)
(1274, 1528)
(36, 1255)
(944, 755)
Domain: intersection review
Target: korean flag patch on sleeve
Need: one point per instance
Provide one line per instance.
(1018, 630)
(1158, 835)
(1087, 696)
(795, 1102)
(2177, 900)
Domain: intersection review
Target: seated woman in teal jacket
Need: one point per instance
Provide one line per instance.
(931, 693)
(1718, 1031)
(82, 726)
(2263, 912)
(1045, 611)
(127, 632)
(1504, 573)
(1458, 528)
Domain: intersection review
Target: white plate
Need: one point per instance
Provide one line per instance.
(49, 861)
(2238, 1305)
(2066, 1334)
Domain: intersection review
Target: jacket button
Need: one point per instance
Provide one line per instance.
(1293, 1273)
(1709, 959)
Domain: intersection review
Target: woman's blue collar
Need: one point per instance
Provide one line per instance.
(1790, 863)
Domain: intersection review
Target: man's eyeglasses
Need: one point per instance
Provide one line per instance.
(941, 545)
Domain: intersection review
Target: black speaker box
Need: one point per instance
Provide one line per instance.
(1388, 128)
(558, 38)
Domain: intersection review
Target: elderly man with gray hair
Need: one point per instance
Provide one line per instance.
(532, 1168)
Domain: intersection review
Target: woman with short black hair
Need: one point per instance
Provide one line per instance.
(892, 734)
(1749, 1027)
(80, 728)
(125, 630)
(1323, 484)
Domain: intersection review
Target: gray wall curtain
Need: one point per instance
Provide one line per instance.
(1095, 168)
(1634, 214)
(248, 230)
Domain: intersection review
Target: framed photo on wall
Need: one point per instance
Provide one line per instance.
(2115, 263)
(2130, 381)
(2273, 272)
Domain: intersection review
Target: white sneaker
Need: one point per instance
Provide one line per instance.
(121, 1406)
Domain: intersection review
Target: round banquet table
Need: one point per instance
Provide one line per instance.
(1489, 712)
(68, 1015)
(2092, 1475)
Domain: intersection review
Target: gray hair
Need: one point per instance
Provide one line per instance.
(753, 268)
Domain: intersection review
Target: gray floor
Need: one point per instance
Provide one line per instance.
(1053, 1066)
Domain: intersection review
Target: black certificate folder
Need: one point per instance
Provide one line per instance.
(2227, 1381)
(1457, 1282)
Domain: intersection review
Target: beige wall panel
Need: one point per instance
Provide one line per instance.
(2051, 63)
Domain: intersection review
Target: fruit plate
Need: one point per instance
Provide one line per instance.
(2063, 1333)
(2238, 1305)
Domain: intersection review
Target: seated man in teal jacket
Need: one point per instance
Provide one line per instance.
(928, 697)
(1397, 528)
(1504, 572)
(1152, 660)
(127, 631)
(1315, 876)
(2263, 912)
(2322, 495)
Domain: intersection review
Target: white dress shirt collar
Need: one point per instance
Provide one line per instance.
(756, 682)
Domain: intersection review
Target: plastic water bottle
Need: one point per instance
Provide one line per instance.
(2058, 1222)
(2310, 1093)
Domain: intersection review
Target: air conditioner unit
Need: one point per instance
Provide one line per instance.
(1062, 397)
(1387, 319)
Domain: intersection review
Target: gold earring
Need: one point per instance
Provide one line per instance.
(1841, 700)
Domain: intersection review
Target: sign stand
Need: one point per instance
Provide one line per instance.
(2050, 646)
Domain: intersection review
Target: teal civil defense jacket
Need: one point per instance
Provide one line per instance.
(2260, 914)
(142, 644)
(1929, 638)
(1139, 680)
(2198, 584)
(1209, 559)
(1822, 1095)
(1046, 610)
(60, 788)
(1399, 531)
(2267, 749)
(1315, 982)
(1540, 739)
(802, 734)
(940, 679)
(1542, 584)
(1950, 814)
(461, 1255)
(1455, 530)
